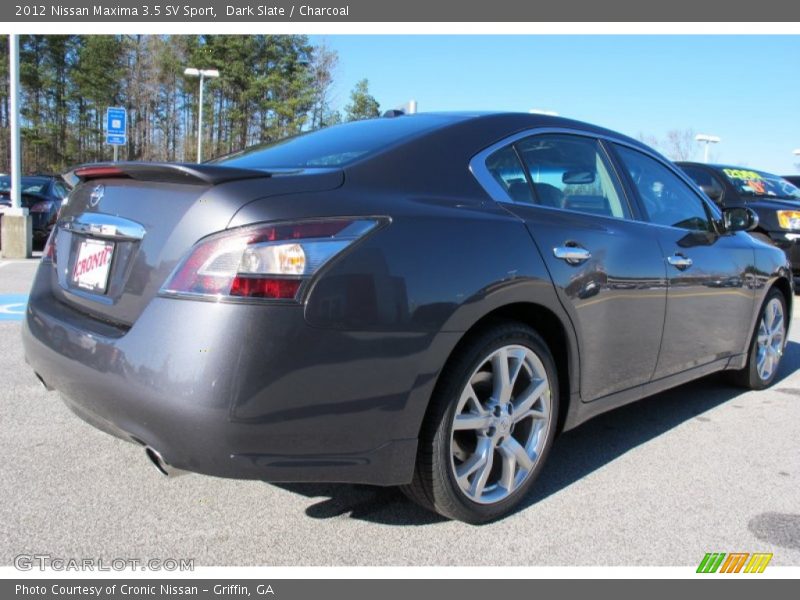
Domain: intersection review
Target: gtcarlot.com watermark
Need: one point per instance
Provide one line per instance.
(43, 562)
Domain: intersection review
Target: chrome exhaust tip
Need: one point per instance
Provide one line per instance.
(163, 467)
(43, 382)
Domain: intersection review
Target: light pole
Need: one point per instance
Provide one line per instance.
(706, 139)
(15, 222)
(202, 74)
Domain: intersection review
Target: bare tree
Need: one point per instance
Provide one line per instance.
(680, 144)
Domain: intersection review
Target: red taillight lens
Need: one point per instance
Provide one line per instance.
(49, 251)
(95, 172)
(250, 287)
(44, 206)
(263, 261)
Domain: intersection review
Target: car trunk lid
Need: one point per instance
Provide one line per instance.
(125, 226)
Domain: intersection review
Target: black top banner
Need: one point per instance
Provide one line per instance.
(211, 11)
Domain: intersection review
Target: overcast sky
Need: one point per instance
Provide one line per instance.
(744, 89)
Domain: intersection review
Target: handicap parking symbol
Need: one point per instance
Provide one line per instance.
(12, 306)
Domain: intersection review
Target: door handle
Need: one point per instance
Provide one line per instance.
(679, 261)
(574, 255)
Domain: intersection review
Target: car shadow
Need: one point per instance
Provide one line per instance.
(575, 454)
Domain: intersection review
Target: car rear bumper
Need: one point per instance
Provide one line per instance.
(244, 391)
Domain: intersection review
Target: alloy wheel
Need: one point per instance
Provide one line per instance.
(771, 338)
(500, 424)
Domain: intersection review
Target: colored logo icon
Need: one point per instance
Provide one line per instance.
(734, 562)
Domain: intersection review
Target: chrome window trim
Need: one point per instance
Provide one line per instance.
(479, 170)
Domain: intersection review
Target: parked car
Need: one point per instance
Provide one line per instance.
(422, 301)
(42, 195)
(793, 179)
(775, 199)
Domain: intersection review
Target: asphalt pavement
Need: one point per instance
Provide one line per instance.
(702, 468)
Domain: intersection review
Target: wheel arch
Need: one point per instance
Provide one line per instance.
(557, 334)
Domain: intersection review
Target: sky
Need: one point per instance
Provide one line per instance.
(743, 89)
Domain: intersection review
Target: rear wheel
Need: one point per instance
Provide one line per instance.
(767, 346)
(490, 426)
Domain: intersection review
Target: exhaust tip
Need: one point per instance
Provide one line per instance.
(161, 465)
(43, 382)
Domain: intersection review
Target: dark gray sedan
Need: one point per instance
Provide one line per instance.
(422, 301)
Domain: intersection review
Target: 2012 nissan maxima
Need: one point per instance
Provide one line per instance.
(422, 301)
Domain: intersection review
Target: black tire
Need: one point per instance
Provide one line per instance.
(748, 377)
(434, 485)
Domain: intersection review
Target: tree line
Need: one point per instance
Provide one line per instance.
(270, 86)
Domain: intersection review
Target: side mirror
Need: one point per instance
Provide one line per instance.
(712, 192)
(739, 218)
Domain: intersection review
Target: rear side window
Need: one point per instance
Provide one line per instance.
(572, 173)
(334, 146)
(667, 199)
(505, 167)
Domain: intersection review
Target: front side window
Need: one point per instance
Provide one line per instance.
(571, 172)
(667, 199)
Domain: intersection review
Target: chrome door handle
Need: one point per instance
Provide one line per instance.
(572, 254)
(679, 261)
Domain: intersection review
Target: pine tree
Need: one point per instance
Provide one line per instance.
(362, 104)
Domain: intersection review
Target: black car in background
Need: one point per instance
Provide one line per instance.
(775, 199)
(42, 195)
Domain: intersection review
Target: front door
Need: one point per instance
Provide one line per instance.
(710, 292)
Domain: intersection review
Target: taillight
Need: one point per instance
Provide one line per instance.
(49, 251)
(263, 261)
(97, 171)
(44, 206)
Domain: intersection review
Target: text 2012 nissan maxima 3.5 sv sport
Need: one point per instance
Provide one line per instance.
(422, 300)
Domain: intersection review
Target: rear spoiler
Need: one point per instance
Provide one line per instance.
(190, 173)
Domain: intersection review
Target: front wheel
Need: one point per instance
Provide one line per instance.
(766, 349)
(490, 426)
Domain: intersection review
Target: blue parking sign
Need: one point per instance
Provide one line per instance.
(116, 126)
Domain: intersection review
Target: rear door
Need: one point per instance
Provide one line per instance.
(710, 296)
(608, 268)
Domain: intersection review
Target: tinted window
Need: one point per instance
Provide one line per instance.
(30, 185)
(705, 181)
(570, 172)
(60, 190)
(505, 167)
(667, 199)
(758, 184)
(334, 146)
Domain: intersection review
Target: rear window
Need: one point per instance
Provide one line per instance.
(334, 146)
(29, 186)
(758, 184)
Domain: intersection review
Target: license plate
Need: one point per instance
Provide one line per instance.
(92, 265)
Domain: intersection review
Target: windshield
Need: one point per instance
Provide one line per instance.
(333, 146)
(758, 184)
